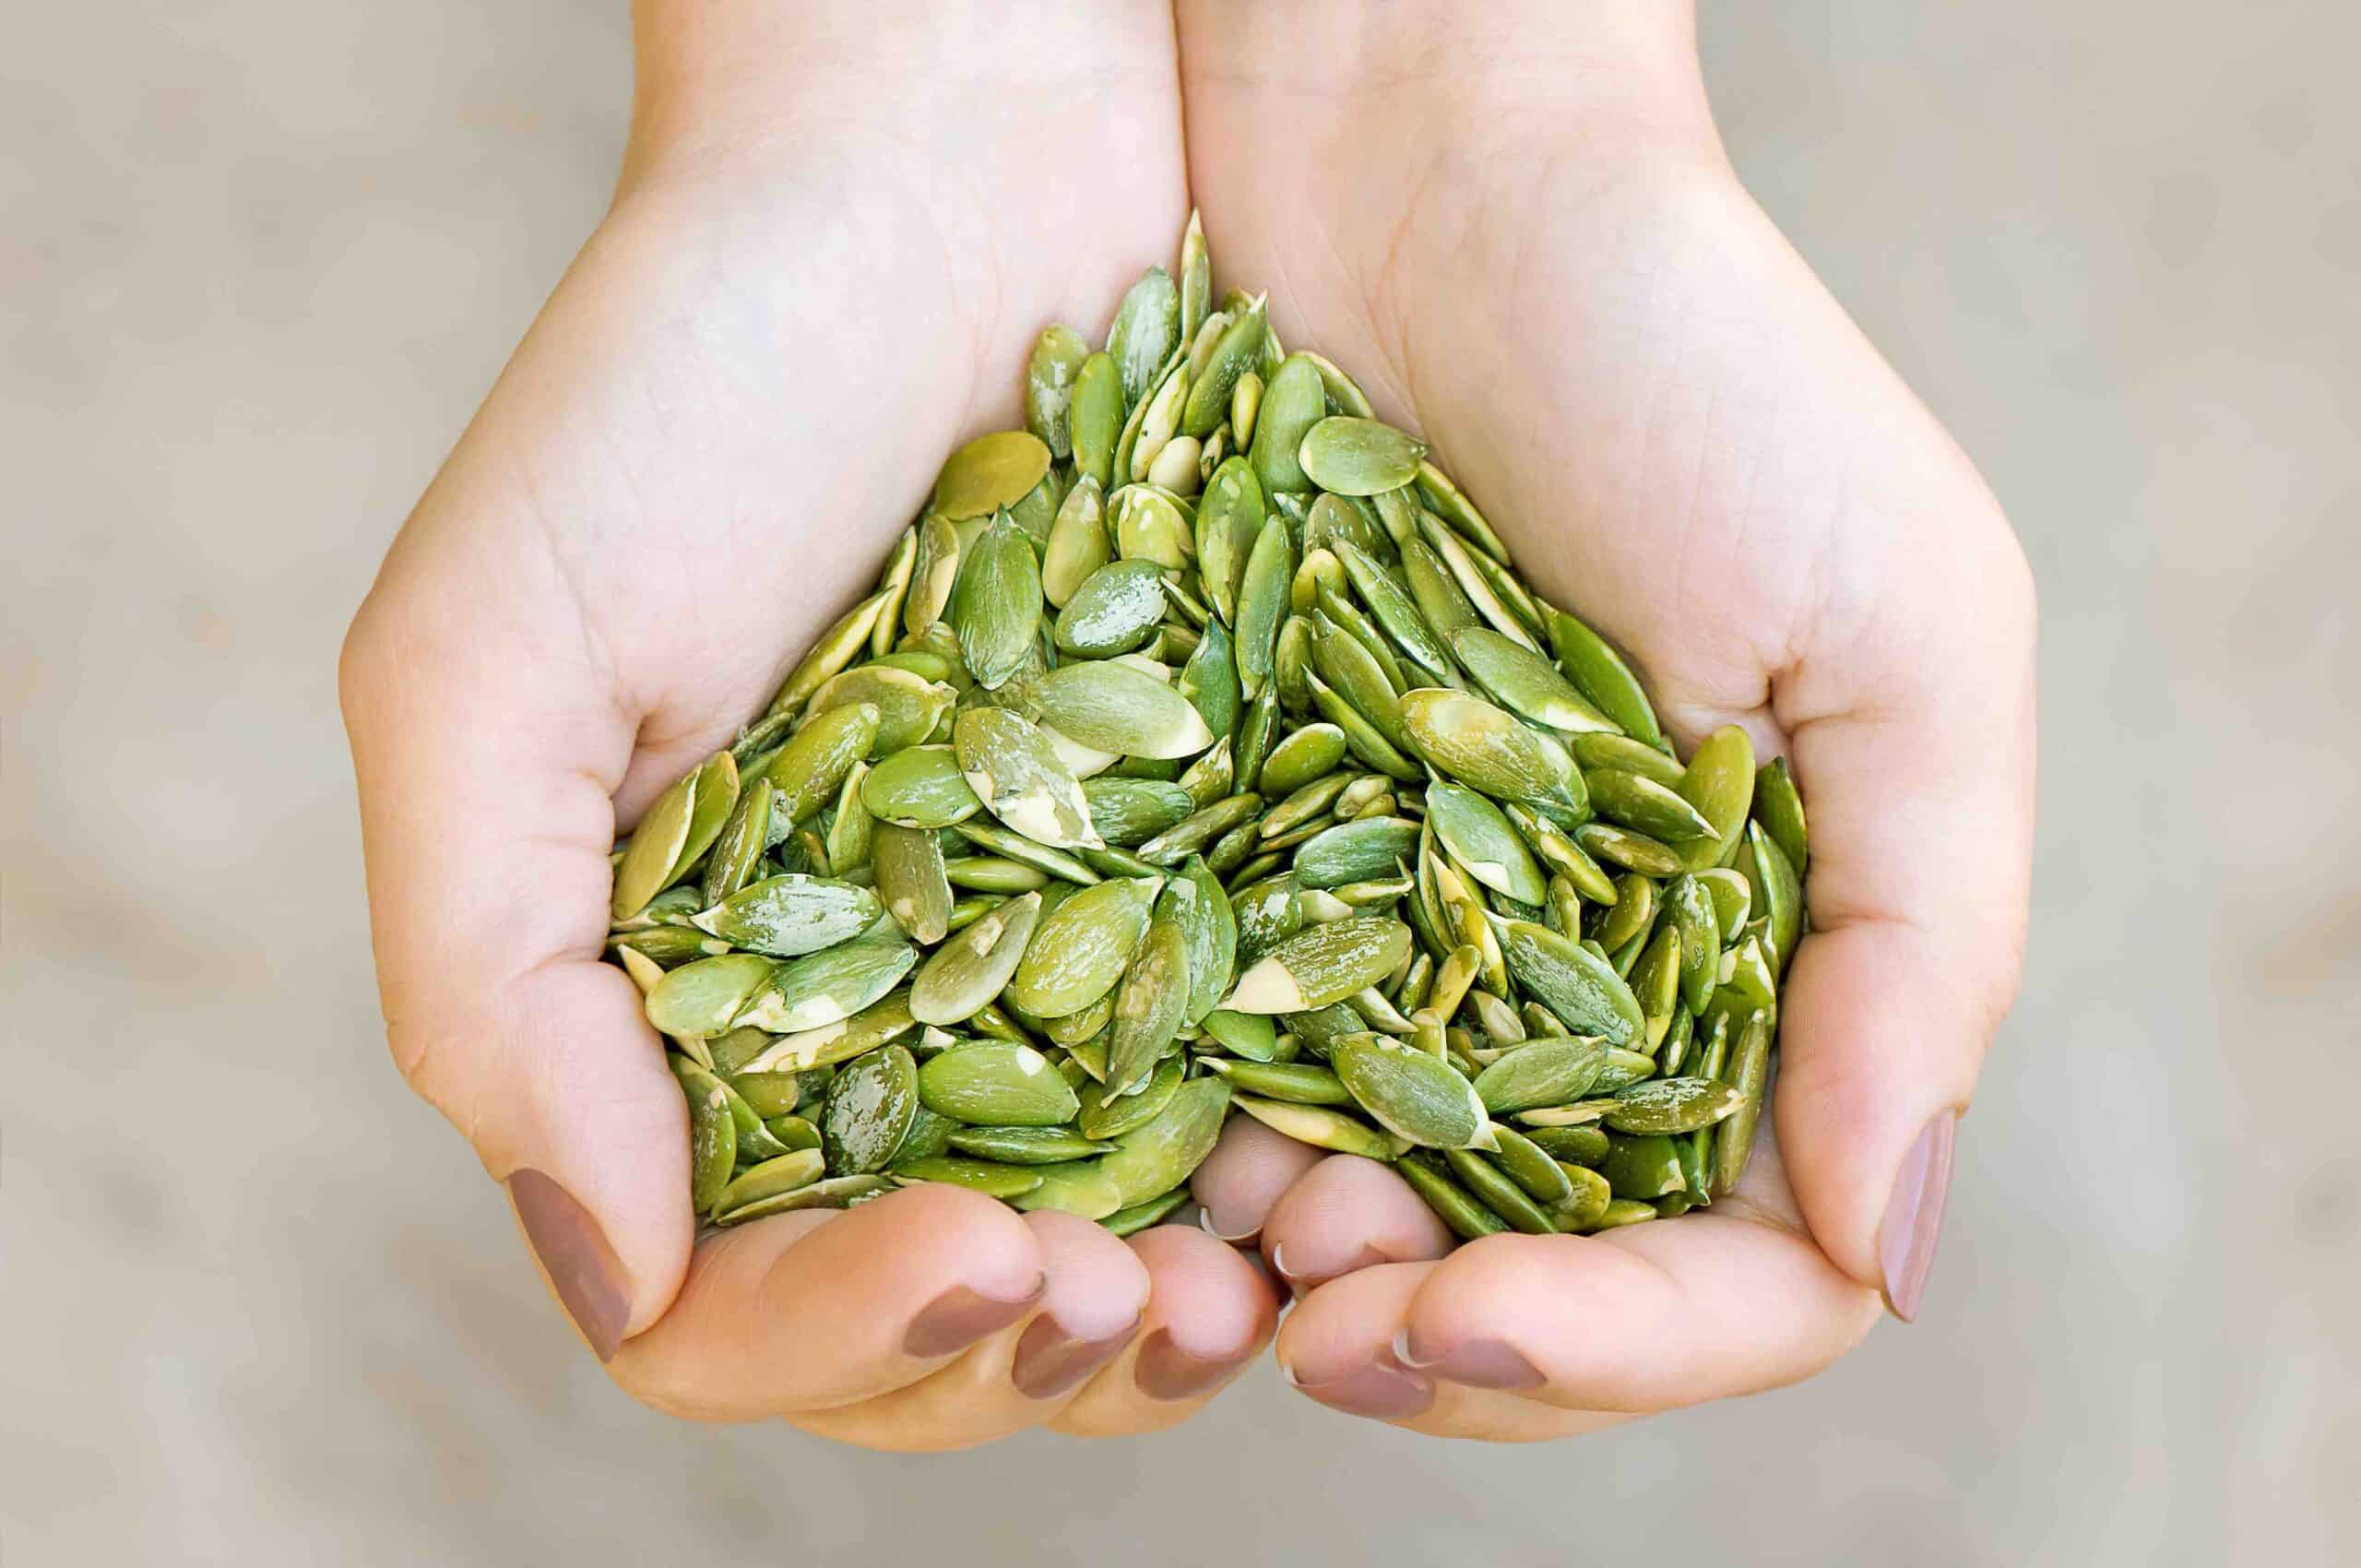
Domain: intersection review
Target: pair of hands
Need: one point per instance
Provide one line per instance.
(837, 231)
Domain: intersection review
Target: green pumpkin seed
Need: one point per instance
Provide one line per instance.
(1633, 852)
(964, 974)
(1109, 1113)
(1113, 706)
(1146, 330)
(1234, 354)
(780, 1173)
(1263, 603)
(919, 788)
(831, 986)
(1014, 770)
(1484, 842)
(713, 1134)
(1411, 1094)
(1050, 377)
(1780, 810)
(1095, 419)
(1149, 1002)
(1318, 1125)
(1321, 965)
(1571, 1145)
(1453, 1203)
(1607, 749)
(989, 474)
(1113, 610)
(1526, 683)
(996, 603)
(1193, 833)
(1644, 1167)
(1078, 545)
(1295, 1082)
(1308, 755)
(1691, 908)
(1776, 889)
(1600, 675)
(1352, 456)
(1161, 1155)
(1353, 851)
(868, 1113)
(1194, 900)
(1541, 1073)
(996, 1084)
(786, 917)
(1524, 1162)
(1488, 751)
(706, 997)
(738, 849)
(1363, 739)
(1672, 1105)
(1250, 1036)
(1497, 1191)
(1079, 1187)
(837, 648)
(666, 842)
(1750, 1071)
(1080, 949)
(1570, 980)
(1141, 1215)
(1128, 811)
(910, 878)
(810, 769)
(983, 1176)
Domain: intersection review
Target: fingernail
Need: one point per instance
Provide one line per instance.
(1050, 1361)
(574, 1255)
(1480, 1363)
(1164, 1370)
(960, 1316)
(1914, 1216)
(1229, 1231)
(1303, 1285)
(1373, 1389)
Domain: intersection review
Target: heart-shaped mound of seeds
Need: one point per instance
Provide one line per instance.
(1202, 752)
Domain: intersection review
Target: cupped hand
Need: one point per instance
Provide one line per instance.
(836, 234)
(1525, 242)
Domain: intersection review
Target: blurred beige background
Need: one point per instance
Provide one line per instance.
(259, 260)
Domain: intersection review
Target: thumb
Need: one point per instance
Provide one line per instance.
(1913, 751)
(488, 887)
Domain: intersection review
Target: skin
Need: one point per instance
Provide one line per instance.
(1529, 247)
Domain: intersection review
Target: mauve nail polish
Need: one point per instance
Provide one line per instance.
(1485, 1363)
(959, 1317)
(573, 1253)
(1164, 1370)
(1914, 1216)
(1381, 1392)
(1050, 1361)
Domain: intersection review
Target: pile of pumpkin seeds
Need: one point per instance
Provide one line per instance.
(1201, 752)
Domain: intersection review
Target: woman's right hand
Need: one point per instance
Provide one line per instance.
(837, 235)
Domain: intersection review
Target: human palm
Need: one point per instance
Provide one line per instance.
(1683, 439)
(729, 408)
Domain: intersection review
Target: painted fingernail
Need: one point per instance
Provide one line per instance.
(1373, 1389)
(1229, 1230)
(1914, 1216)
(1478, 1363)
(573, 1253)
(1164, 1370)
(1050, 1361)
(1303, 1285)
(960, 1316)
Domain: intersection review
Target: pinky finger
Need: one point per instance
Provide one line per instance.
(1210, 1312)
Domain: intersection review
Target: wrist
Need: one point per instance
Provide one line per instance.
(753, 76)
